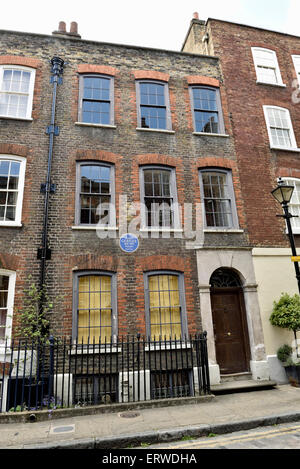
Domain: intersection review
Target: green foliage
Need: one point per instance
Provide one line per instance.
(33, 325)
(286, 312)
(284, 353)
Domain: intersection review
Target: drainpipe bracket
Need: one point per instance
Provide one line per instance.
(52, 188)
(54, 78)
(41, 253)
(52, 129)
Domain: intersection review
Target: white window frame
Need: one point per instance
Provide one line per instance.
(290, 128)
(173, 192)
(183, 309)
(295, 201)
(112, 212)
(22, 161)
(114, 301)
(230, 196)
(221, 127)
(296, 61)
(30, 91)
(111, 98)
(275, 64)
(167, 104)
(10, 305)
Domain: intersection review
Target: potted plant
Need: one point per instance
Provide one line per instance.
(292, 367)
(286, 314)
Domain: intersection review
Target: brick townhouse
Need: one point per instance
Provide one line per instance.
(143, 141)
(127, 137)
(261, 76)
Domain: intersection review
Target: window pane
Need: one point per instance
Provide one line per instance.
(153, 118)
(94, 308)
(95, 112)
(165, 312)
(152, 94)
(96, 88)
(217, 203)
(206, 122)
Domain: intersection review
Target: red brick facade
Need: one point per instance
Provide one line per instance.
(126, 149)
(258, 165)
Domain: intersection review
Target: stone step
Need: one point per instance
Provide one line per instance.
(242, 386)
(236, 377)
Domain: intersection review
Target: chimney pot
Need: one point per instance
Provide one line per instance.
(74, 28)
(196, 15)
(62, 27)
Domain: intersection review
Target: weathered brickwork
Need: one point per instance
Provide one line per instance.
(258, 165)
(126, 148)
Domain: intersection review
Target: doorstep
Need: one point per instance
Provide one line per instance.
(240, 386)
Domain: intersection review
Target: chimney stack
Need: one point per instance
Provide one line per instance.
(196, 15)
(63, 32)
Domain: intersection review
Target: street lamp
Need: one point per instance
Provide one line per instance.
(283, 194)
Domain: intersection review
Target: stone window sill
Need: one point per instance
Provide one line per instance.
(104, 126)
(167, 346)
(295, 150)
(87, 350)
(12, 225)
(223, 230)
(164, 131)
(95, 227)
(206, 134)
(161, 230)
(277, 85)
(28, 119)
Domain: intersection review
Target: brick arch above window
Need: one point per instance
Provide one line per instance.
(99, 69)
(9, 262)
(97, 155)
(288, 173)
(13, 149)
(155, 158)
(202, 80)
(218, 162)
(150, 75)
(93, 262)
(18, 60)
(153, 263)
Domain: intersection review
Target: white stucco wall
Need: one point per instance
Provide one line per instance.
(275, 274)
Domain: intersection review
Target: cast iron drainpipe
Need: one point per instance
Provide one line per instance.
(44, 253)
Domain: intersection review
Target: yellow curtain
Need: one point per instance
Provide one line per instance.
(94, 309)
(164, 306)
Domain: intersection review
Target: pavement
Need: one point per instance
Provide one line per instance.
(135, 426)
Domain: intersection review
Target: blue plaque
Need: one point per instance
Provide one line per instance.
(129, 242)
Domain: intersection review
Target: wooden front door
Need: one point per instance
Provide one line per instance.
(230, 329)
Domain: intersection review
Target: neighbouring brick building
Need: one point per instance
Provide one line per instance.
(261, 76)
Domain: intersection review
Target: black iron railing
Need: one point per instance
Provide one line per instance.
(67, 373)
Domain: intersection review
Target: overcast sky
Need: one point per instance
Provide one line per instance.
(156, 23)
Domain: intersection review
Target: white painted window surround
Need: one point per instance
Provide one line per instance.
(294, 203)
(18, 190)
(280, 128)
(16, 91)
(9, 306)
(266, 66)
(296, 60)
